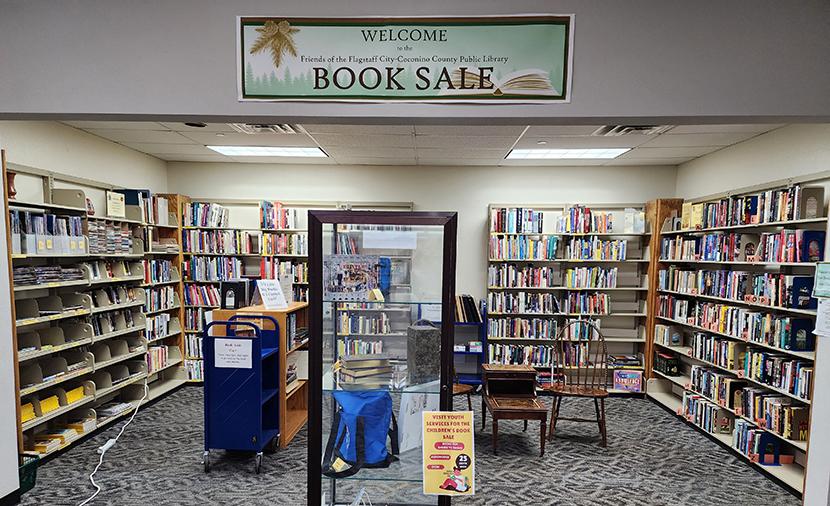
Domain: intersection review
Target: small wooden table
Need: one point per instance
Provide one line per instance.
(510, 394)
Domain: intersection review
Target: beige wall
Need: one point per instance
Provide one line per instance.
(467, 190)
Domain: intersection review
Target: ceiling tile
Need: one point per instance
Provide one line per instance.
(116, 125)
(641, 153)
(623, 141)
(172, 157)
(706, 129)
(458, 161)
(209, 127)
(467, 141)
(144, 136)
(481, 153)
(170, 149)
(470, 130)
(560, 130)
(365, 140)
(375, 161)
(694, 140)
(358, 129)
(649, 161)
(341, 151)
(237, 139)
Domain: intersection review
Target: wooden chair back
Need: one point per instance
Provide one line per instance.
(580, 356)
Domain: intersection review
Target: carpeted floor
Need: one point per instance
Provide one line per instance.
(652, 459)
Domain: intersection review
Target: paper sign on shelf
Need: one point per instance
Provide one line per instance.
(233, 353)
(449, 453)
(821, 282)
(270, 291)
(431, 312)
(823, 318)
(115, 205)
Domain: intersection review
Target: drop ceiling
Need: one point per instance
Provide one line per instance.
(421, 145)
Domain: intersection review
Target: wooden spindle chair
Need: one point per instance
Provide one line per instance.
(459, 388)
(587, 379)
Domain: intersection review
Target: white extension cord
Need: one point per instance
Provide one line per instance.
(102, 450)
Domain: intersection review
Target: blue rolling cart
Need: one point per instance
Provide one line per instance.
(241, 402)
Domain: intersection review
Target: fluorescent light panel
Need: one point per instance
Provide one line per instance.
(565, 153)
(269, 151)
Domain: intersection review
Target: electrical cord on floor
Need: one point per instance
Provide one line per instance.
(109, 444)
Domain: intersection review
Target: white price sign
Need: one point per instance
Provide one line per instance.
(233, 353)
(271, 293)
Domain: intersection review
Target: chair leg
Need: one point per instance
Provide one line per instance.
(525, 429)
(483, 412)
(599, 418)
(495, 436)
(542, 427)
(469, 401)
(603, 424)
(554, 413)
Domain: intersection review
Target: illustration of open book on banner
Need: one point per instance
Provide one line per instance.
(350, 277)
(521, 82)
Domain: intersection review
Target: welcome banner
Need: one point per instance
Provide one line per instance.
(516, 59)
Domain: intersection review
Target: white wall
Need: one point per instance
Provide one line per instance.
(467, 190)
(641, 59)
(53, 146)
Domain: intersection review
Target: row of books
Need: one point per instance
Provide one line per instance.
(361, 324)
(30, 223)
(346, 245)
(590, 277)
(194, 318)
(105, 237)
(706, 414)
(779, 371)
(766, 288)
(350, 347)
(522, 302)
(364, 371)
(515, 220)
(193, 346)
(581, 220)
(722, 352)
(156, 358)
(757, 444)
(717, 386)
(586, 303)
(466, 309)
(594, 248)
(157, 271)
(205, 214)
(273, 268)
(212, 268)
(285, 244)
(774, 412)
(275, 216)
(523, 248)
(157, 326)
(514, 276)
(195, 370)
(157, 299)
(201, 295)
(535, 355)
(225, 242)
(785, 204)
(104, 323)
(782, 246)
(113, 295)
(522, 328)
(783, 332)
(42, 274)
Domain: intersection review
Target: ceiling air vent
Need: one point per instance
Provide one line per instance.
(266, 128)
(618, 130)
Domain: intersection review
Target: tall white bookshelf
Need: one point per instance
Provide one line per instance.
(706, 300)
(548, 282)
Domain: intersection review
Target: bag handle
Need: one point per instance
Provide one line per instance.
(360, 457)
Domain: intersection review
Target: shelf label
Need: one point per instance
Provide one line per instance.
(821, 282)
(823, 318)
(233, 353)
(271, 293)
(448, 453)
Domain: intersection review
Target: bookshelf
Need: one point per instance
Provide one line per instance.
(734, 316)
(80, 292)
(547, 265)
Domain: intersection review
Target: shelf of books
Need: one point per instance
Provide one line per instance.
(550, 264)
(733, 342)
(81, 284)
(285, 244)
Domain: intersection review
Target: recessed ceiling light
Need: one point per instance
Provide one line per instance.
(196, 125)
(220, 135)
(268, 151)
(541, 143)
(565, 153)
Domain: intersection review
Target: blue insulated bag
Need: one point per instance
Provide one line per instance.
(362, 421)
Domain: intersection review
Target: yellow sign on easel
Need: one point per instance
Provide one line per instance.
(449, 453)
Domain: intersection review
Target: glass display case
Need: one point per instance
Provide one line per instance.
(381, 323)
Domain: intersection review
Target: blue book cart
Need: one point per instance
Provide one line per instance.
(241, 402)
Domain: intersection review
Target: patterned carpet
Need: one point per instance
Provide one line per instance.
(158, 462)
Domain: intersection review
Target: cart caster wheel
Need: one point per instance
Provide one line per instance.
(273, 445)
(258, 462)
(206, 461)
